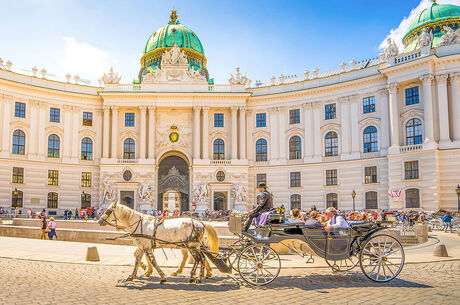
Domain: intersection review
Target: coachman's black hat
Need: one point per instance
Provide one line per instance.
(262, 185)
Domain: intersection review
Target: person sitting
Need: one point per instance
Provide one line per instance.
(265, 203)
(296, 216)
(336, 222)
(312, 221)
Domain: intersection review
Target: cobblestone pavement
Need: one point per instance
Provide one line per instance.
(35, 282)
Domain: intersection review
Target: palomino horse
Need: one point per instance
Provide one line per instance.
(150, 233)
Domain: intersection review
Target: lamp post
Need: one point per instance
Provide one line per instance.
(458, 198)
(353, 195)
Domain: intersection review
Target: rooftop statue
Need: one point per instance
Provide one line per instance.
(425, 39)
(390, 51)
(111, 78)
(239, 79)
(174, 56)
(450, 36)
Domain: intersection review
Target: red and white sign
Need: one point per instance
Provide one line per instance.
(395, 194)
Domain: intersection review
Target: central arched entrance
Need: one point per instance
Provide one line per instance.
(173, 184)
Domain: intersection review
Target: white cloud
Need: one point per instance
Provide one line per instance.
(88, 61)
(398, 33)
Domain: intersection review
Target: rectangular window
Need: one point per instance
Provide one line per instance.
(53, 177)
(86, 179)
(329, 111)
(370, 174)
(331, 177)
(295, 179)
(294, 116)
(87, 119)
(369, 104)
(412, 96)
(20, 110)
(261, 120)
(411, 170)
(218, 120)
(261, 178)
(129, 119)
(55, 115)
(18, 175)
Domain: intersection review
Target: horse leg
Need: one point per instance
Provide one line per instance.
(151, 257)
(208, 268)
(138, 255)
(195, 265)
(202, 263)
(182, 264)
(149, 270)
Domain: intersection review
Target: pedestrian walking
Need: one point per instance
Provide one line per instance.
(44, 226)
(447, 220)
(52, 228)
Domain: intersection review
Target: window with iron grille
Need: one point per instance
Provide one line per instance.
(52, 200)
(371, 200)
(85, 200)
(411, 170)
(295, 179)
(218, 120)
(53, 146)
(369, 104)
(53, 177)
(55, 115)
(129, 119)
(412, 96)
(295, 148)
(370, 174)
(129, 150)
(296, 201)
(87, 119)
(19, 110)
(17, 199)
(332, 200)
(331, 144)
(261, 178)
(261, 150)
(86, 179)
(18, 175)
(329, 111)
(370, 139)
(261, 120)
(412, 198)
(19, 139)
(294, 116)
(218, 150)
(331, 177)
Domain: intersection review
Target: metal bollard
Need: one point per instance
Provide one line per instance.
(92, 255)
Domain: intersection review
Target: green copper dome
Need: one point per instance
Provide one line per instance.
(433, 19)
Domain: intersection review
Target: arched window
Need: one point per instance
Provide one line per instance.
(371, 200)
(295, 148)
(19, 140)
(412, 198)
(296, 202)
(370, 139)
(332, 201)
(331, 144)
(85, 200)
(218, 149)
(261, 150)
(53, 146)
(86, 149)
(129, 150)
(17, 199)
(52, 200)
(414, 132)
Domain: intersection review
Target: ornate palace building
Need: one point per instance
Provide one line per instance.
(386, 129)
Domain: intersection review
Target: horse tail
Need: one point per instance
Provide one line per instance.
(213, 239)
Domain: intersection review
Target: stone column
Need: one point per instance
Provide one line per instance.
(142, 131)
(152, 124)
(308, 131)
(234, 133)
(242, 133)
(249, 138)
(75, 127)
(97, 118)
(106, 136)
(455, 83)
(274, 134)
(317, 129)
(428, 107)
(34, 109)
(196, 132)
(67, 143)
(384, 132)
(443, 108)
(114, 132)
(205, 133)
(41, 130)
(2, 127)
(394, 116)
(282, 133)
(354, 125)
(7, 102)
(345, 119)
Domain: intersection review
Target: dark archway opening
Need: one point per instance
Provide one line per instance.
(173, 175)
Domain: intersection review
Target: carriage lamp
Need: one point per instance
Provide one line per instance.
(458, 198)
(353, 195)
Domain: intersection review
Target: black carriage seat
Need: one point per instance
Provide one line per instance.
(362, 227)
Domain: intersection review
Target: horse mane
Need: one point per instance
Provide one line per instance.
(127, 212)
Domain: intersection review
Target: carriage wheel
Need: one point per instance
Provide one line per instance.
(381, 258)
(344, 264)
(259, 265)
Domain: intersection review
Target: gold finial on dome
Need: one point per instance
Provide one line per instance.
(434, 1)
(173, 16)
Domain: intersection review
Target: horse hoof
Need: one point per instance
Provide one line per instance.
(198, 281)
(174, 274)
(192, 281)
(208, 276)
(129, 279)
(163, 281)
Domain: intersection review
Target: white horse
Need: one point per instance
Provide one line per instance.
(150, 233)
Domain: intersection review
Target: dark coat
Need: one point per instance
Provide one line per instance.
(265, 202)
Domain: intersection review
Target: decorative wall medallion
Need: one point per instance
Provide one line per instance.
(220, 176)
(127, 175)
(174, 135)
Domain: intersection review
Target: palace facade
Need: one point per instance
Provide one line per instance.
(385, 129)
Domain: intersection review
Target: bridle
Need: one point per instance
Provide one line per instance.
(110, 211)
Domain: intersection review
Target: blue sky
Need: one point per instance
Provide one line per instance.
(263, 38)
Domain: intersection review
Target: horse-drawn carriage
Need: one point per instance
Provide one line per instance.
(380, 256)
